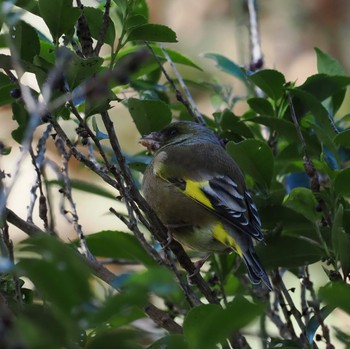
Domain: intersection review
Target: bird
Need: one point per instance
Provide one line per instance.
(198, 192)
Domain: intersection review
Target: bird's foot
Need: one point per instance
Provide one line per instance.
(198, 265)
(169, 240)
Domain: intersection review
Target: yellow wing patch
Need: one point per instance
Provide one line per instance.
(194, 191)
(190, 188)
(220, 234)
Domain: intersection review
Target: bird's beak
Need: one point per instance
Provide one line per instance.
(151, 141)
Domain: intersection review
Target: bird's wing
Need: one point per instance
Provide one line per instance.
(220, 195)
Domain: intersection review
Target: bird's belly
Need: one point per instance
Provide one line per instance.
(199, 238)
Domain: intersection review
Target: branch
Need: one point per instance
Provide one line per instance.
(84, 34)
(310, 168)
(132, 195)
(104, 28)
(286, 299)
(27, 227)
(315, 305)
(187, 102)
(158, 316)
(256, 58)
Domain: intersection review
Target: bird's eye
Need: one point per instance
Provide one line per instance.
(173, 132)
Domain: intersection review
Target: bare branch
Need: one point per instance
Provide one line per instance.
(256, 57)
(104, 28)
(188, 102)
(132, 195)
(158, 316)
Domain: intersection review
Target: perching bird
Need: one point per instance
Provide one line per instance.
(198, 192)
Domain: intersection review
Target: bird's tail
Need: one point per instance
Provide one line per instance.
(255, 269)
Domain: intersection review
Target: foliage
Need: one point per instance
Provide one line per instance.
(291, 143)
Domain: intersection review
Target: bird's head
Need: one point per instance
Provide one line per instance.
(180, 132)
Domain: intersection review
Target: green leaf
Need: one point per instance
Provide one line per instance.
(175, 56)
(157, 280)
(122, 5)
(20, 114)
(288, 252)
(80, 69)
(98, 103)
(125, 339)
(25, 40)
(220, 323)
(341, 240)
(336, 294)
(234, 124)
(255, 159)
(5, 90)
(141, 8)
(174, 341)
(60, 17)
(277, 215)
(324, 129)
(261, 106)
(284, 128)
(115, 244)
(29, 5)
(343, 139)
(341, 182)
(149, 115)
(314, 324)
(87, 187)
(323, 86)
(226, 65)
(94, 17)
(271, 82)
(327, 64)
(135, 21)
(57, 271)
(42, 328)
(303, 201)
(122, 308)
(152, 32)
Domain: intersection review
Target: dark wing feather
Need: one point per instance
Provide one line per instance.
(235, 208)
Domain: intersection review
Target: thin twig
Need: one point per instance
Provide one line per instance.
(82, 158)
(69, 196)
(158, 316)
(315, 305)
(159, 231)
(104, 28)
(280, 286)
(131, 224)
(120, 74)
(188, 102)
(5, 237)
(37, 161)
(83, 34)
(33, 108)
(195, 111)
(309, 167)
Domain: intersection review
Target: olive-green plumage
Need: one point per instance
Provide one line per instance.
(199, 194)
